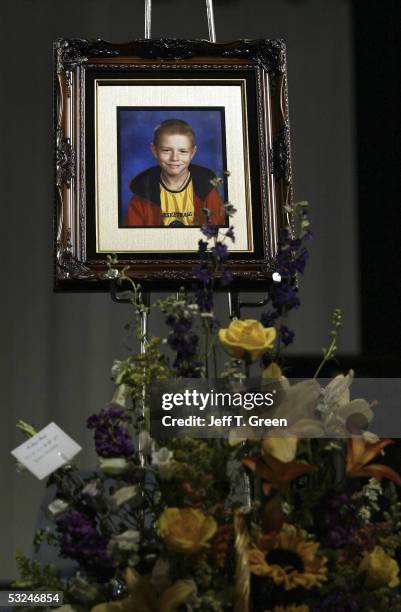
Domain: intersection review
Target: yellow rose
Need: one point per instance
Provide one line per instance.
(247, 339)
(186, 530)
(381, 569)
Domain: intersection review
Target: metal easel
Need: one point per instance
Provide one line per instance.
(210, 19)
(234, 303)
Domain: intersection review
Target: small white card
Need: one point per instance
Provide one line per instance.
(47, 451)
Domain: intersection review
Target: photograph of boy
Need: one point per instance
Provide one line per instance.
(173, 193)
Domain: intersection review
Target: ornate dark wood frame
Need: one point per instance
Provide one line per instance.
(75, 268)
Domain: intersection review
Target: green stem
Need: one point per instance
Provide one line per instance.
(329, 353)
(327, 356)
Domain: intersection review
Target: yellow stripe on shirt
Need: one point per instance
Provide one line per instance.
(177, 205)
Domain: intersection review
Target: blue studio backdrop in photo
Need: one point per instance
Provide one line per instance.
(135, 133)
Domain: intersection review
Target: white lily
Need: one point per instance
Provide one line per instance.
(336, 405)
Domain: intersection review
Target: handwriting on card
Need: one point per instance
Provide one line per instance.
(48, 450)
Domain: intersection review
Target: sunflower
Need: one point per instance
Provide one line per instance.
(291, 560)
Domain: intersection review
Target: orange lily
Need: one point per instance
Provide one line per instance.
(360, 452)
(275, 473)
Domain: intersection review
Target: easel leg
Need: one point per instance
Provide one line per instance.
(144, 341)
(234, 308)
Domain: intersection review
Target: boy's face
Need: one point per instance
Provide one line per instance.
(174, 153)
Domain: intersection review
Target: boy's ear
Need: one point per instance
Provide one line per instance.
(153, 149)
(194, 151)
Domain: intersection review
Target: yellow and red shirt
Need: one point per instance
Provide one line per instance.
(178, 206)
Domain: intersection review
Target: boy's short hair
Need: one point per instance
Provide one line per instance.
(173, 126)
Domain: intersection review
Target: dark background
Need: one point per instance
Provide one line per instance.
(344, 85)
(377, 56)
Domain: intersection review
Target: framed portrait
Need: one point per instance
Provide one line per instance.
(150, 133)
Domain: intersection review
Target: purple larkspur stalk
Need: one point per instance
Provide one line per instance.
(213, 264)
(286, 335)
(210, 230)
(185, 342)
(292, 256)
(230, 233)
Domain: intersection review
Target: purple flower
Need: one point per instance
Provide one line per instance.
(210, 230)
(204, 299)
(112, 411)
(230, 233)
(80, 540)
(219, 251)
(292, 255)
(290, 260)
(340, 600)
(92, 421)
(230, 209)
(286, 335)
(112, 438)
(269, 318)
(284, 296)
(339, 520)
(202, 273)
(184, 342)
(115, 412)
(181, 326)
(202, 248)
(226, 277)
(113, 441)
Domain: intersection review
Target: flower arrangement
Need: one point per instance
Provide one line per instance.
(285, 523)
